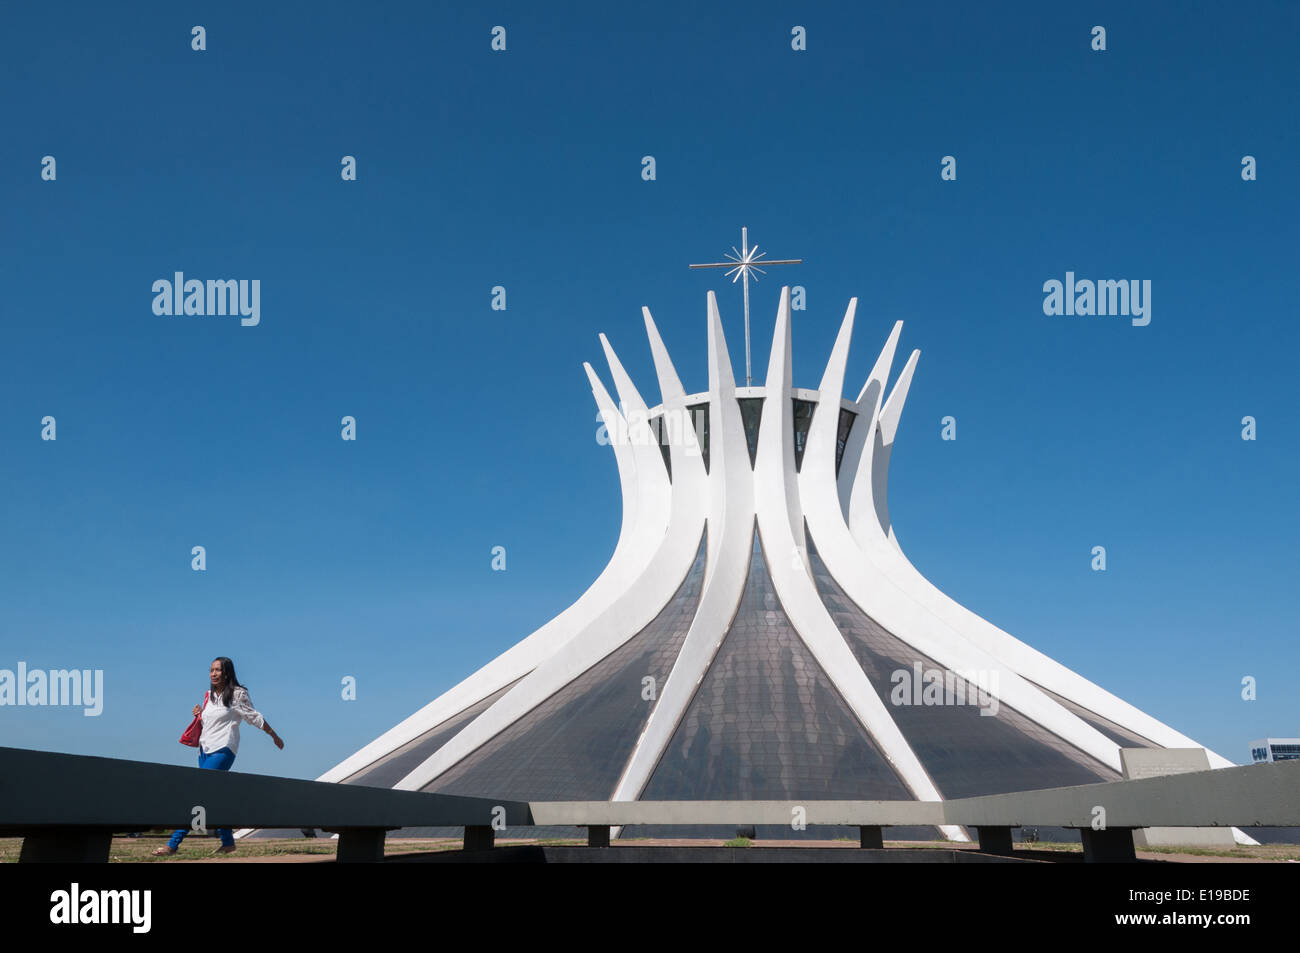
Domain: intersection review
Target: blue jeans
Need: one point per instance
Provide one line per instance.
(219, 760)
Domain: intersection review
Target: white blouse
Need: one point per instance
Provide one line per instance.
(221, 724)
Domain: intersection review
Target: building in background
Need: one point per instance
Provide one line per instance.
(1274, 749)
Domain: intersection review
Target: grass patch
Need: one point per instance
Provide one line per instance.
(1280, 853)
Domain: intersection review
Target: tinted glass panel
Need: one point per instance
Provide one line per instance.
(766, 722)
(663, 438)
(391, 768)
(574, 745)
(842, 436)
(700, 415)
(751, 413)
(965, 752)
(1116, 733)
(803, 411)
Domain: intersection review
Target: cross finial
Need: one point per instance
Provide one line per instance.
(740, 265)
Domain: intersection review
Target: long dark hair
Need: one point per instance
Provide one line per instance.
(228, 677)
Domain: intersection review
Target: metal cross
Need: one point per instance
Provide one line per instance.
(741, 264)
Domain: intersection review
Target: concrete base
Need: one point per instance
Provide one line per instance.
(479, 838)
(994, 840)
(1159, 762)
(360, 845)
(1111, 846)
(67, 845)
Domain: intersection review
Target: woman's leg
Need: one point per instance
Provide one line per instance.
(179, 834)
(221, 760)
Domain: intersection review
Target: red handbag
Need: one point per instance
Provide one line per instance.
(192, 733)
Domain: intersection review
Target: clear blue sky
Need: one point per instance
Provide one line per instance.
(477, 427)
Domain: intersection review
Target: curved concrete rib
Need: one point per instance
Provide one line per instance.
(872, 521)
(869, 496)
(890, 604)
(639, 602)
(731, 527)
(653, 489)
(645, 519)
(861, 428)
(689, 477)
(780, 524)
(1028, 662)
(886, 428)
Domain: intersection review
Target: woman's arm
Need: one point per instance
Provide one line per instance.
(244, 705)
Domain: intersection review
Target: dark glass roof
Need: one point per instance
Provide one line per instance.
(574, 745)
(767, 723)
(391, 768)
(965, 752)
(1116, 733)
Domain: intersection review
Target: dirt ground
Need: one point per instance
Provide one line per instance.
(199, 850)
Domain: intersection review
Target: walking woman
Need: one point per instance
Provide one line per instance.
(227, 705)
